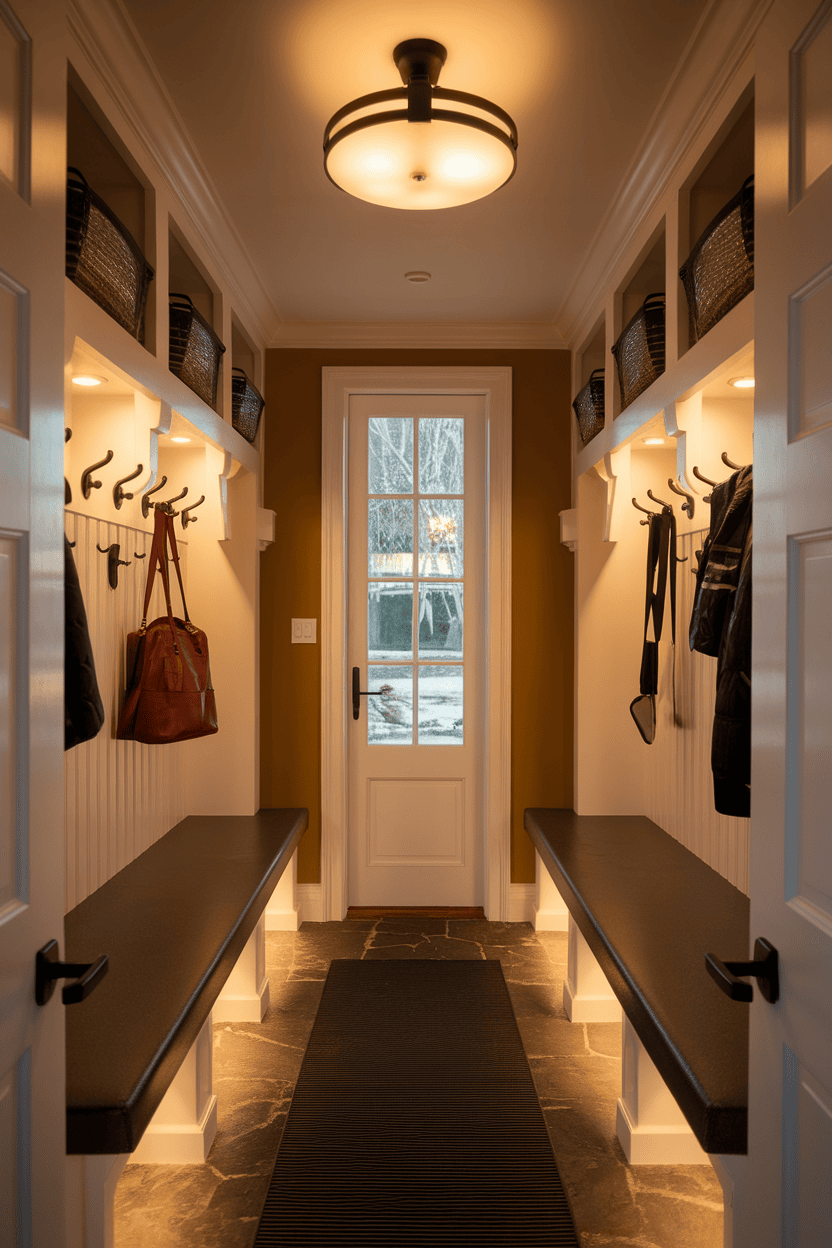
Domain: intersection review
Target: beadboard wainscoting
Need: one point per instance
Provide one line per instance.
(121, 796)
(679, 784)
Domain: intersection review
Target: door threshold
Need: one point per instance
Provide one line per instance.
(475, 913)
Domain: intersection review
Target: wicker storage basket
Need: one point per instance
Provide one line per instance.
(246, 405)
(103, 259)
(195, 349)
(719, 272)
(639, 350)
(589, 406)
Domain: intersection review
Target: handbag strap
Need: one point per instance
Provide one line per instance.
(162, 529)
(174, 550)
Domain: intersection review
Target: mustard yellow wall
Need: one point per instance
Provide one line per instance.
(542, 646)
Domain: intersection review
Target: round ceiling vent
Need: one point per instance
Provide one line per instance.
(417, 276)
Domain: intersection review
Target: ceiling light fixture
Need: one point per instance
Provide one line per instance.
(180, 439)
(88, 379)
(653, 441)
(418, 156)
(742, 383)
(417, 275)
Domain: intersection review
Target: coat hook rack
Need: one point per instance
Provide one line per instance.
(639, 507)
(119, 494)
(146, 504)
(729, 463)
(186, 517)
(113, 562)
(67, 490)
(87, 483)
(660, 501)
(168, 504)
(689, 503)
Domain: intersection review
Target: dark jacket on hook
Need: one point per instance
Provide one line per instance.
(721, 625)
(83, 709)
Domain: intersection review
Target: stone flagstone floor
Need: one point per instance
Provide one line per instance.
(576, 1069)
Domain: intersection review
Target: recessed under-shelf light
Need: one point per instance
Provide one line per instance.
(742, 383)
(417, 276)
(88, 379)
(653, 441)
(180, 439)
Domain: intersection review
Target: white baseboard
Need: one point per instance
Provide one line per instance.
(310, 903)
(589, 1009)
(550, 920)
(656, 1145)
(283, 920)
(242, 1008)
(184, 1144)
(521, 902)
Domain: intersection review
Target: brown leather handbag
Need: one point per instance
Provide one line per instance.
(169, 696)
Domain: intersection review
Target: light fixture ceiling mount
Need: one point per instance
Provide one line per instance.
(418, 155)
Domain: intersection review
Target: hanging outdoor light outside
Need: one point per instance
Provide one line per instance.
(418, 156)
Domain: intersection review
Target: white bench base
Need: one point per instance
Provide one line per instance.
(182, 1130)
(245, 995)
(587, 996)
(549, 913)
(282, 909)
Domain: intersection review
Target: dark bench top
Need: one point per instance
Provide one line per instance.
(173, 922)
(650, 910)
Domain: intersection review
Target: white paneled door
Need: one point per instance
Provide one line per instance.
(32, 246)
(415, 648)
(787, 1197)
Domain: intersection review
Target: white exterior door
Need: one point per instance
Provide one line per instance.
(786, 1197)
(416, 635)
(32, 247)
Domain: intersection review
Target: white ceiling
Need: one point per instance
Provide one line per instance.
(256, 81)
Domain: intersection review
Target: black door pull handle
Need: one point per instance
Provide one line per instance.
(358, 693)
(85, 976)
(764, 968)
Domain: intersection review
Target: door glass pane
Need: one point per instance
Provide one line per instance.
(390, 620)
(441, 537)
(390, 536)
(440, 705)
(390, 713)
(440, 620)
(10, 100)
(441, 455)
(390, 458)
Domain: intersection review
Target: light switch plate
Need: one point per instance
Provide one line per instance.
(304, 632)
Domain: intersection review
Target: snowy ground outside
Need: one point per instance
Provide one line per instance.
(440, 706)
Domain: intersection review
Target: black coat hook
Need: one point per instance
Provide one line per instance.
(638, 507)
(136, 555)
(119, 494)
(689, 503)
(660, 501)
(67, 490)
(146, 504)
(188, 519)
(729, 463)
(700, 477)
(168, 504)
(87, 483)
(113, 562)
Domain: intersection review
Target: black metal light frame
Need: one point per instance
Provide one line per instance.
(419, 62)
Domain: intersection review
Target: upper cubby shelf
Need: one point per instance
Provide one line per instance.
(140, 352)
(695, 201)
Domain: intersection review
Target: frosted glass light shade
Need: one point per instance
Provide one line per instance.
(420, 165)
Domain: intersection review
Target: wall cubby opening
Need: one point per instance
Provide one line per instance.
(186, 278)
(94, 149)
(594, 354)
(243, 354)
(716, 178)
(646, 277)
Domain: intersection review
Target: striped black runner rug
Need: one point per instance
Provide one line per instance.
(415, 1118)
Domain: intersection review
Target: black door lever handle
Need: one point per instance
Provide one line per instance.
(358, 693)
(764, 968)
(85, 975)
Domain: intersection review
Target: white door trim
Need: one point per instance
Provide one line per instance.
(338, 385)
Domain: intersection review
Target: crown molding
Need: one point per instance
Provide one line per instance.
(722, 40)
(116, 67)
(415, 335)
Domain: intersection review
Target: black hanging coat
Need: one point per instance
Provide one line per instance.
(83, 709)
(721, 625)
